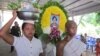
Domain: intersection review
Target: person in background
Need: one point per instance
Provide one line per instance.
(70, 46)
(25, 45)
(97, 49)
(86, 37)
(15, 30)
(83, 39)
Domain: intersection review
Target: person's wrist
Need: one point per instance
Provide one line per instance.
(14, 17)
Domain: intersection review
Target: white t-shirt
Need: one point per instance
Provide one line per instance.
(24, 47)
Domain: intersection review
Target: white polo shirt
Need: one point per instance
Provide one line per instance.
(24, 47)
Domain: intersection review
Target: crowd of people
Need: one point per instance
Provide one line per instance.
(26, 44)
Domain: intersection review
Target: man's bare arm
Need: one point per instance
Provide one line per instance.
(60, 47)
(59, 50)
(4, 32)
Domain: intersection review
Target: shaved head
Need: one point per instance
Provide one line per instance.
(71, 27)
(69, 23)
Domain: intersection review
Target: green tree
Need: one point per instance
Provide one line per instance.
(92, 18)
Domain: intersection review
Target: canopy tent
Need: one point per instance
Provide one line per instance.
(73, 7)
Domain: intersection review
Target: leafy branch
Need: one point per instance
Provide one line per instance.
(13, 6)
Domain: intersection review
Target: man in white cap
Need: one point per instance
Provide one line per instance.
(27, 44)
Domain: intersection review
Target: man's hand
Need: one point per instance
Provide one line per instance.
(14, 13)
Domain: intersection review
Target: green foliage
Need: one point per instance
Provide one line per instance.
(39, 31)
(36, 5)
(55, 41)
(98, 18)
(93, 19)
(44, 37)
(13, 6)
